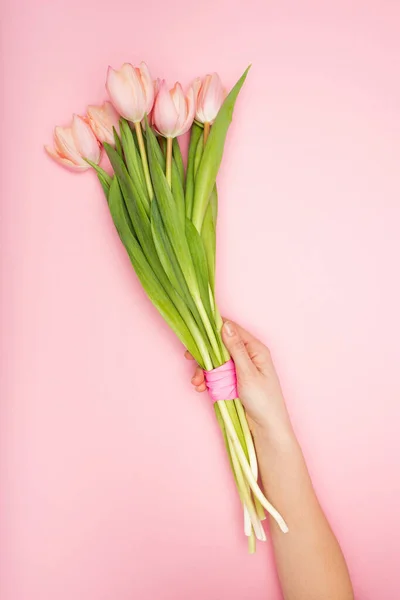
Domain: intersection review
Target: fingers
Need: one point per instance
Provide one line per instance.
(246, 336)
(258, 352)
(236, 346)
(198, 380)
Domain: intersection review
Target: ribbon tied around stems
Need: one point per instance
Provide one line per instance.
(221, 382)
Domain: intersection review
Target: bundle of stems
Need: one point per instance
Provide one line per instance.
(166, 218)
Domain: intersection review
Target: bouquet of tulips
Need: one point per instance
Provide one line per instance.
(166, 215)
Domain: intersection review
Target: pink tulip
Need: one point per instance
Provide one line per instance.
(73, 144)
(131, 91)
(209, 97)
(173, 113)
(156, 87)
(102, 119)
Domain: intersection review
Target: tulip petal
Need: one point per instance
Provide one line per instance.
(102, 119)
(120, 89)
(213, 97)
(204, 89)
(139, 103)
(179, 100)
(85, 140)
(190, 106)
(65, 162)
(65, 145)
(148, 86)
(165, 115)
(209, 99)
(196, 85)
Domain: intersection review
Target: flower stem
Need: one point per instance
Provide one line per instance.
(252, 543)
(244, 492)
(169, 161)
(143, 155)
(247, 470)
(206, 132)
(208, 327)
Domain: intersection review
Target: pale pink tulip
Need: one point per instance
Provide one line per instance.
(209, 98)
(131, 91)
(102, 119)
(173, 113)
(73, 144)
(156, 87)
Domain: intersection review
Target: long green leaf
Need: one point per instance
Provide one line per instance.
(177, 236)
(172, 222)
(174, 273)
(195, 134)
(177, 154)
(208, 235)
(198, 156)
(200, 264)
(117, 143)
(149, 281)
(212, 155)
(177, 192)
(133, 162)
(129, 187)
(151, 138)
(214, 205)
(102, 175)
(165, 252)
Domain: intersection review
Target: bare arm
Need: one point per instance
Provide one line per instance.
(310, 563)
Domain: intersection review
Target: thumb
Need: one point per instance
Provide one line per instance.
(237, 349)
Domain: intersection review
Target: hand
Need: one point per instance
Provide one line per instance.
(258, 384)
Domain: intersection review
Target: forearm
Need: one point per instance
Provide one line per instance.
(309, 560)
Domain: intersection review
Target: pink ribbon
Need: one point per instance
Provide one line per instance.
(221, 382)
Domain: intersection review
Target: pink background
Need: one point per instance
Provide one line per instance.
(115, 484)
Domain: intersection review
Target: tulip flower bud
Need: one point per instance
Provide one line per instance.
(131, 91)
(73, 144)
(209, 98)
(173, 113)
(102, 119)
(156, 86)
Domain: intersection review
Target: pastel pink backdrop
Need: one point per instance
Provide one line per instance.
(115, 483)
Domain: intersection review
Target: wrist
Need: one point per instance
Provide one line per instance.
(276, 430)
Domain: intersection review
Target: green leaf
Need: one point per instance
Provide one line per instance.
(104, 178)
(104, 185)
(174, 273)
(177, 192)
(200, 264)
(138, 216)
(212, 155)
(117, 141)
(214, 205)
(198, 156)
(166, 253)
(176, 150)
(208, 235)
(177, 236)
(133, 162)
(163, 144)
(128, 185)
(172, 222)
(151, 138)
(195, 134)
(145, 273)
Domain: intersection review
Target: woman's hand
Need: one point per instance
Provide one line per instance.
(258, 384)
(309, 560)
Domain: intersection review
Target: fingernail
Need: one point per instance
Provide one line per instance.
(228, 327)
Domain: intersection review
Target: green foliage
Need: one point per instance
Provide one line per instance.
(212, 155)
